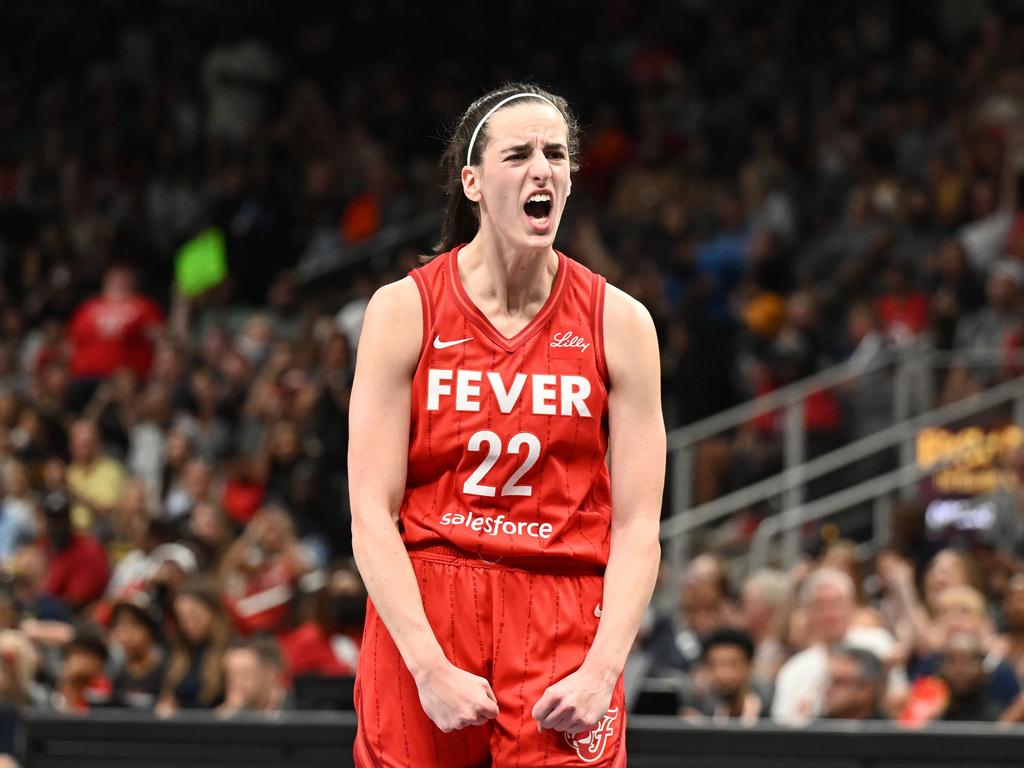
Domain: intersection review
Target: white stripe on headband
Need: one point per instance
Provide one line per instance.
(495, 108)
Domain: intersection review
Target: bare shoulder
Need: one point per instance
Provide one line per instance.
(621, 309)
(393, 324)
(401, 296)
(630, 340)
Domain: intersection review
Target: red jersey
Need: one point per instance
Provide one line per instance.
(78, 573)
(107, 334)
(509, 435)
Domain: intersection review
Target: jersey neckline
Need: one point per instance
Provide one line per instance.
(479, 319)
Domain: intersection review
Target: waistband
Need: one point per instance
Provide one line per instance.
(555, 566)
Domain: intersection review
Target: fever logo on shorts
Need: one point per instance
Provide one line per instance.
(589, 745)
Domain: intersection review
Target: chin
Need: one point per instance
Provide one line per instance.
(533, 242)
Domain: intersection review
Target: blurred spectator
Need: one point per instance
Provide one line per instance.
(135, 628)
(77, 571)
(828, 597)
(963, 670)
(237, 75)
(960, 614)
(83, 684)
(174, 565)
(866, 395)
(210, 534)
(910, 617)
(95, 481)
(705, 604)
(130, 516)
(148, 444)
(986, 330)
(765, 599)
(1010, 645)
(196, 486)
(19, 691)
(903, 310)
(856, 685)
(842, 555)
(243, 488)
(993, 205)
(113, 330)
(349, 320)
(20, 665)
(195, 674)
(733, 693)
(136, 566)
(29, 571)
(209, 432)
(113, 409)
(254, 678)
(17, 510)
(328, 643)
(260, 572)
(957, 292)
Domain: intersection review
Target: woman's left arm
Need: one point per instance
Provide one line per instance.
(637, 457)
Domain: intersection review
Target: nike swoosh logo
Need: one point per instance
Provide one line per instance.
(438, 344)
(597, 611)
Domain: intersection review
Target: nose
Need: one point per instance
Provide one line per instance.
(540, 168)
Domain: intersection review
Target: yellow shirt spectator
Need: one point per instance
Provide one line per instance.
(94, 480)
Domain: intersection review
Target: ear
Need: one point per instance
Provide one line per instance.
(471, 183)
(568, 188)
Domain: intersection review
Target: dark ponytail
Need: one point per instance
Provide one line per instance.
(462, 216)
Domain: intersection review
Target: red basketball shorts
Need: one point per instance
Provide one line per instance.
(519, 629)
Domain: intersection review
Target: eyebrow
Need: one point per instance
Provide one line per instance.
(525, 147)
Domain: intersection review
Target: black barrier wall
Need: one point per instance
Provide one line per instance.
(124, 739)
(114, 739)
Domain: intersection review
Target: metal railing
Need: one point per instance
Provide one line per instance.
(377, 250)
(911, 393)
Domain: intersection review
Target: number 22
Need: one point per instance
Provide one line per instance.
(473, 485)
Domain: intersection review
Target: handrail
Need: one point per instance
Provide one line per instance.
(387, 238)
(780, 398)
(830, 377)
(847, 497)
(892, 435)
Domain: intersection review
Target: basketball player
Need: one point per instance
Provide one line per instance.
(507, 572)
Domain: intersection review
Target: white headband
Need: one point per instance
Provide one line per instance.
(495, 108)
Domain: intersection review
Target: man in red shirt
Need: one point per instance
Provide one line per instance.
(78, 569)
(114, 330)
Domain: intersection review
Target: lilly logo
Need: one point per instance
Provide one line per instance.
(569, 340)
(589, 745)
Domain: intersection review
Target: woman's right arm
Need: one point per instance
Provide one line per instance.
(379, 416)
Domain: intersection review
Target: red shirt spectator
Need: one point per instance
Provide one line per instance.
(261, 569)
(308, 649)
(114, 330)
(903, 317)
(78, 570)
(263, 602)
(902, 308)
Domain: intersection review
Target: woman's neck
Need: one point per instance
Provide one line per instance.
(511, 282)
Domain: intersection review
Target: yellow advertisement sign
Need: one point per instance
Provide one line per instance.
(978, 467)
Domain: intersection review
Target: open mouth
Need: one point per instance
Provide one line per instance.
(538, 207)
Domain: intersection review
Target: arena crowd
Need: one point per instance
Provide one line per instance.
(785, 187)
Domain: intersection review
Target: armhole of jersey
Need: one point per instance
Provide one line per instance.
(597, 324)
(426, 307)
